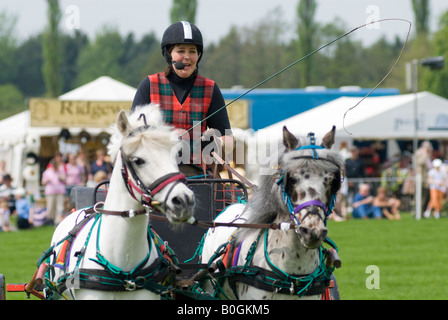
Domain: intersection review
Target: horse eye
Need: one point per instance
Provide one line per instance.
(138, 161)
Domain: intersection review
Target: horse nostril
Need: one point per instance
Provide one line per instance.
(177, 201)
(304, 230)
(183, 201)
(320, 234)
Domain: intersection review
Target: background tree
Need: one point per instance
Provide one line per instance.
(52, 50)
(72, 46)
(137, 57)
(11, 98)
(436, 81)
(306, 30)
(29, 61)
(102, 57)
(222, 62)
(8, 47)
(421, 16)
(183, 10)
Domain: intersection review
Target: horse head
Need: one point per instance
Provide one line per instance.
(310, 181)
(149, 168)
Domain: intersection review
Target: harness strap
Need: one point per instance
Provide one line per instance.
(124, 214)
(268, 281)
(153, 278)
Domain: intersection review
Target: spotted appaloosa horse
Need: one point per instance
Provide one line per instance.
(287, 262)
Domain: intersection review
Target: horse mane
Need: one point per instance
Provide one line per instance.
(266, 202)
(158, 135)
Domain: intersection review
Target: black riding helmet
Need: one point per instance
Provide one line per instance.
(181, 32)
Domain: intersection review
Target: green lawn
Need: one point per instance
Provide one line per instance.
(19, 252)
(411, 257)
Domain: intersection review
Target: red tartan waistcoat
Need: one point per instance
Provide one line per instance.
(194, 108)
(183, 116)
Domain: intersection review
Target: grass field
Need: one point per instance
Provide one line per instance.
(411, 257)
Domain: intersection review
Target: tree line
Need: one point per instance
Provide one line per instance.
(244, 57)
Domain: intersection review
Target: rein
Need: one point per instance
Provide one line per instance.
(212, 224)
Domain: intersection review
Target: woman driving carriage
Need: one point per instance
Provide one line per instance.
(186, 97)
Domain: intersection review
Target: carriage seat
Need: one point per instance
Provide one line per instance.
(84, 197)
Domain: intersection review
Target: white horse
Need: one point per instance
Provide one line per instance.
(287, 260)
(114, 254)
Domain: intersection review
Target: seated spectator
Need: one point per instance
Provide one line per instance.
(39, 213)
(385, 206)
(362, 203)
(6, 192)
(4, 215)
(23, 208)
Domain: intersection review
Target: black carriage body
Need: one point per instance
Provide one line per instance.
(212, 196)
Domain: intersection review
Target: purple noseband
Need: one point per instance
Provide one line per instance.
(311, 203)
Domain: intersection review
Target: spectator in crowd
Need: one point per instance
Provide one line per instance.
(75, 173)
(31, 175)
(2, 170)
(385, 206)
(4, 215)
(354, 168)
(437, 188)
(24, 210)
(100, 176)
(423, 157)
(39, 212)
(362, 204)
(7, 192)
(100, 164)
(81, 160)
(53, 179)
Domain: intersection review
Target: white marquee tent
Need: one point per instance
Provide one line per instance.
(17, 136)
(102, 89)
(383, 118)
(375, 118)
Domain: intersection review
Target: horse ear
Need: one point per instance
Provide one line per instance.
(289, 140)
(328, 139)
(123, 123)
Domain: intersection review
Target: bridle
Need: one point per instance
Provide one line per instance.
(137, 188)
(327, 208)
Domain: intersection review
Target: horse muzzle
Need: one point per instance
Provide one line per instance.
(180, 207)
(311, 237)
(312, 229)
